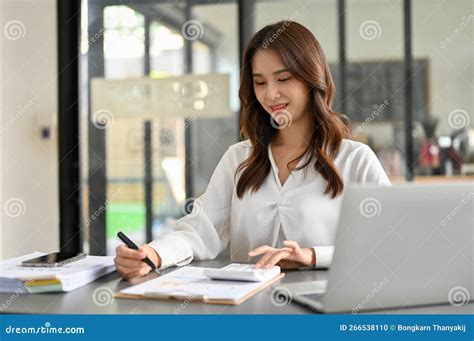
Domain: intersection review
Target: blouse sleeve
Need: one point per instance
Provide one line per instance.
(203, 233)
(323, 256)
(366, 168)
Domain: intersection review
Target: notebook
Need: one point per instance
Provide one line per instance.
(190, 283)
(15, 278)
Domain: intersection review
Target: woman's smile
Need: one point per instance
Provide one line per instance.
(278, 107)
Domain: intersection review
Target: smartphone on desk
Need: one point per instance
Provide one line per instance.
(53, 260)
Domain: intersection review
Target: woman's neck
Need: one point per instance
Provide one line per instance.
(296, 136)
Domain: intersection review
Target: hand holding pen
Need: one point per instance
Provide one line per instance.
(133, 261)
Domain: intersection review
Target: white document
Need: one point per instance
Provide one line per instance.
(71, 276)
(190, 281)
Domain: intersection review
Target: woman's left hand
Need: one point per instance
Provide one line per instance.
(291, 256)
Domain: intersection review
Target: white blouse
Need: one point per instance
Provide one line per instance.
(297, 211)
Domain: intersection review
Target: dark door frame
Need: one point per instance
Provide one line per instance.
(68, 30)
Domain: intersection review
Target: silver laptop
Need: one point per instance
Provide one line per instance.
(401, 246)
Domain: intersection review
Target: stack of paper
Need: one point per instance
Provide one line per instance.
(20, 279)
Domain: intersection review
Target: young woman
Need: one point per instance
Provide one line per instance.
(276, 196)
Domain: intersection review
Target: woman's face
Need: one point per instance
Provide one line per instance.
(277, 90)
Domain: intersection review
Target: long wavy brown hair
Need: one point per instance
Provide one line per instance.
(305, 59)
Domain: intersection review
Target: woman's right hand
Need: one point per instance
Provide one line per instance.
(129, 263)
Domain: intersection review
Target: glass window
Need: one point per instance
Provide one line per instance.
(375, 79)
(125, 29)
(210, 136)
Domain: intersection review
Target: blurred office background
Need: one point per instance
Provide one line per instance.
(140, 170)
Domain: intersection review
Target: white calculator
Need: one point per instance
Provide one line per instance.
(242, 272)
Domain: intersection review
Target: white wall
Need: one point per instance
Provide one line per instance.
(452, 64)
(29, 177)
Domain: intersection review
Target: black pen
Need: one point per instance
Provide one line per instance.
(134, 246)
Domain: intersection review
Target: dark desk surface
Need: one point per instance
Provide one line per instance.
(95, 298)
